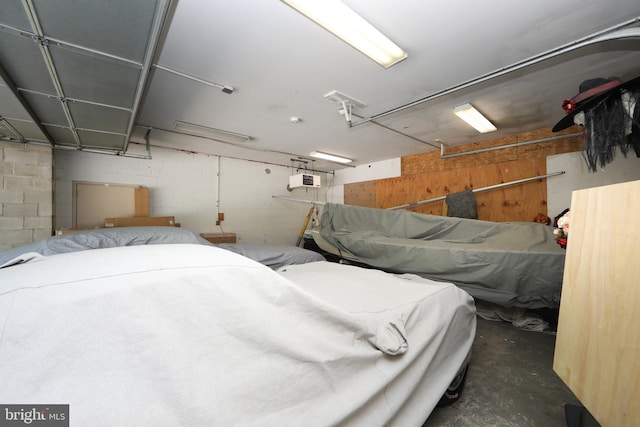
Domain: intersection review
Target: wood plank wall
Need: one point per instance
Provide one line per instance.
(427, 176)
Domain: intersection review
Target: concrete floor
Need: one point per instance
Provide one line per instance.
(510, 382)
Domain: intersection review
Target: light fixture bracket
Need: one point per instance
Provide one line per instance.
(346, 102)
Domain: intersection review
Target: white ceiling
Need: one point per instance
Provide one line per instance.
(280, 65)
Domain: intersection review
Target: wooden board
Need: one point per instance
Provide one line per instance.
(598, 342)
(93, 201)
(141, 201)
(219, 237)
(140, 221)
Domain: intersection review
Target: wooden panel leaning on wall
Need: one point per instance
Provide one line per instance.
(597, 351)
(427, 176)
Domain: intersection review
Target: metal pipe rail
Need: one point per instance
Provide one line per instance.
(477, 190)
(291, 199)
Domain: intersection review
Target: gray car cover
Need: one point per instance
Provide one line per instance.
(513, 264)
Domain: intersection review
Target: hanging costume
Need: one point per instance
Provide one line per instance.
(608, 111)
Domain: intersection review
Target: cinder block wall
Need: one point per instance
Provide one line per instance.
(26, 194)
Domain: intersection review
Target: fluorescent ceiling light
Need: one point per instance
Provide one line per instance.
(472, 116)
(338, 18)
(207, 132)
(329, 157)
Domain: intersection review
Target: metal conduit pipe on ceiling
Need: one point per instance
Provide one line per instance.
(616, 32)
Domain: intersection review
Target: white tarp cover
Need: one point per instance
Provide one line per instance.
(195, 335)
(513, 264)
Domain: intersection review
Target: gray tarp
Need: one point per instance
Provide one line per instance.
(513, 264)
(274, 256)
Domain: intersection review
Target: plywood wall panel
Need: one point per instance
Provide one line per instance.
(360, 194)
(521, 202)
(431, 162)
(549, 148)
(393, 192)
(427, 176)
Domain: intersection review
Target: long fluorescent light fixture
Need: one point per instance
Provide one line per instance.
(207, 132)
(339, 19)
(329, 157)
(473, 117)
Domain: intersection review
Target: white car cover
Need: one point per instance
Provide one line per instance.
(195, 335)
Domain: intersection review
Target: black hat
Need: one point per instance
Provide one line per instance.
(591, 93)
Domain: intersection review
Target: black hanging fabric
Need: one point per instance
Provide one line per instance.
(462, 205)
(635, 130)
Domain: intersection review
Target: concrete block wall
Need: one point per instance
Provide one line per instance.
(26, 194)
